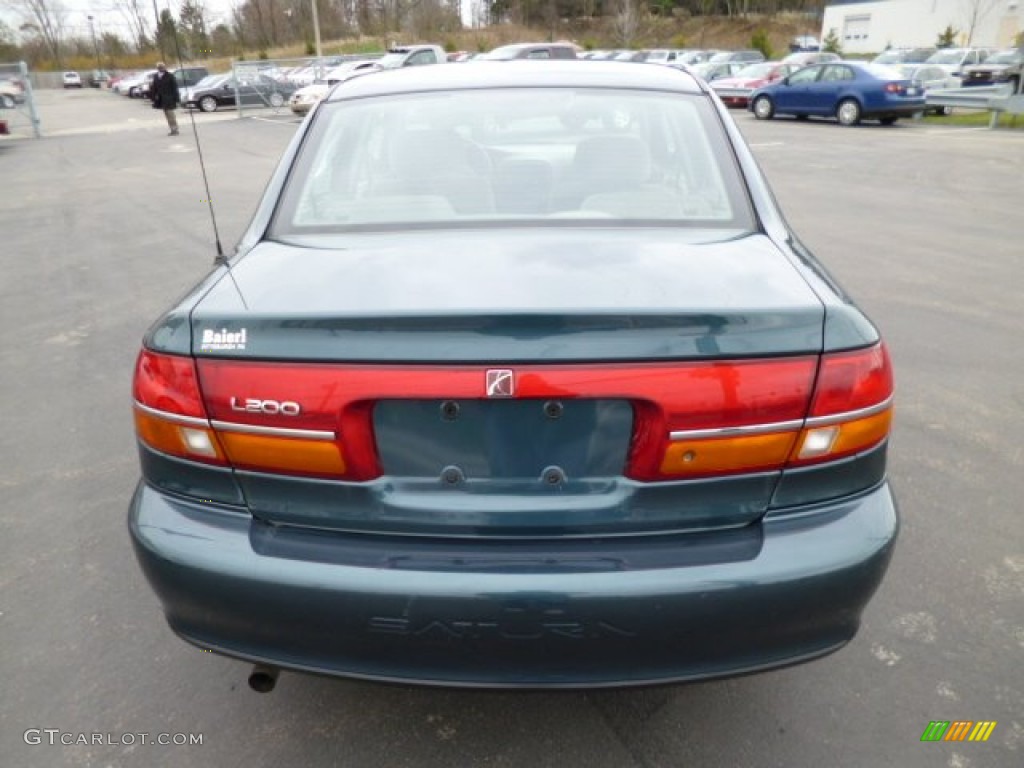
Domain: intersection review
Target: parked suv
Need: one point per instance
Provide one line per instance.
(1002, 67)
(412, 56)
(954, 60)
(72, 80)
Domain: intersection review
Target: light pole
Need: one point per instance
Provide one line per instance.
(316, 30)
(95, 48)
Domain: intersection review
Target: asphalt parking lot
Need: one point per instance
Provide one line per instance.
(105, 221)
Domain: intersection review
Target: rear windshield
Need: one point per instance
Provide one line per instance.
(553, 155)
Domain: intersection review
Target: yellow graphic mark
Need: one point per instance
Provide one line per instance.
(982, 730)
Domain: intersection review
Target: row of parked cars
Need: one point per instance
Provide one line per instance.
(804, 83)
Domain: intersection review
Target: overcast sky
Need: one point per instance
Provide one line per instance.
(105, 14)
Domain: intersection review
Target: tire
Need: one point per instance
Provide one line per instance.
(888, 120)
(763, 108)
(208, 104)
(848, 112)
(276, 100)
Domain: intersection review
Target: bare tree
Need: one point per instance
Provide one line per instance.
(48, 19)
(134, 12)
(975, 11)
(626, 22)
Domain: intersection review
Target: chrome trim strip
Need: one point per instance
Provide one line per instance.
(741, 431)
(860, 413)
(191, 421)
(252, 429)
(781, 426)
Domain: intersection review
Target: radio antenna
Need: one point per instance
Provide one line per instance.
(220, 258)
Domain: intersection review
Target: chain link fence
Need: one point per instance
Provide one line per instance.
(18, 115)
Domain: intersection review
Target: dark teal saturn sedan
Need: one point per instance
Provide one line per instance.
(518, 378)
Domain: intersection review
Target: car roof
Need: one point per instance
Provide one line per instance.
(551, 73)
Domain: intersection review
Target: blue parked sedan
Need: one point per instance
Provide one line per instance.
(562, 402)
(850, 91)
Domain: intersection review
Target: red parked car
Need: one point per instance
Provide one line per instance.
(735, 91)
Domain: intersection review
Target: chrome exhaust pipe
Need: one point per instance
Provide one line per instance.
(262, 679)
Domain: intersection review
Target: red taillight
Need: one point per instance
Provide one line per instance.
(693, 419)
(168, 383)
(893, 88)
(169, 413)
(849, 381)
(669, 399)
(852, 406)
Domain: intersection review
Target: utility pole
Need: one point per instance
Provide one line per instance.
(95, 48)
(316, 30)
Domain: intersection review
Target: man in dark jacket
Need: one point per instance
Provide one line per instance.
(165, 96)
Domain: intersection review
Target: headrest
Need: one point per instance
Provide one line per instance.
(607, 161)
(418, 154)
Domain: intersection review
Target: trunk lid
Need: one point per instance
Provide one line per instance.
(394, 348)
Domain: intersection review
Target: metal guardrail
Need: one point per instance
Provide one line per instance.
(972, 97)
(994, 98)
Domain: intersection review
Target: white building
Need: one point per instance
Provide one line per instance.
(871, 27)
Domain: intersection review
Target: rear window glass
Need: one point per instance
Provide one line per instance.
(554, 155)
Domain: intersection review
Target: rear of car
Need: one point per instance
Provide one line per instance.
(846, 90)
(72, 80)
(557, 404)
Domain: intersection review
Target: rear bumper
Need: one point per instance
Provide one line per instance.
(470, 613)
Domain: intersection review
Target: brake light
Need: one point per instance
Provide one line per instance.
(169, 413)
(852, 406)
(850, 410)
(691, 420)
(170, 417)
(893, 88)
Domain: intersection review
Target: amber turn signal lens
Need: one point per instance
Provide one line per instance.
(748, 453)
(282, 454)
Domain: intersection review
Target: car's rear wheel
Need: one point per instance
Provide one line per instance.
(887, 120)
(208, 104)
(848, 112)
(276, 100)
(764, 108)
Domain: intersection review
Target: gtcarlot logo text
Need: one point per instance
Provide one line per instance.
(55, 736)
